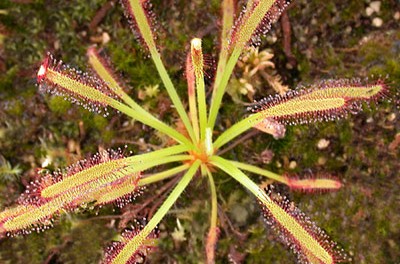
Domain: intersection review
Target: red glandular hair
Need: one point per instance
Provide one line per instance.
(295, 230)
(137, 257)
(324, 101)
(98, 56)
(146, 6)
(105, 176)
(263, 27)
(79, 87)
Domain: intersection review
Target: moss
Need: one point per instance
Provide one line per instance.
(100, 122)
(33, 249)
(6, 80)
(86, 243)
(107, 135)
(15, 108)
(58, 105)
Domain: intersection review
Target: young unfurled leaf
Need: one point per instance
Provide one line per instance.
(316, 184)
(328, 100)
(299, 233)
(198, 68)
(191, 84)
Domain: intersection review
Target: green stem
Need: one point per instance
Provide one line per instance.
(135, 7)
(228, 9)
(141, 111)
(163, 175)
(145, 165)
(237, 129)
(146, 118)
(257, 170)
(124, 255)
(103, 70)
(158, 154)
(172, 93)
(219, 93)
(238, 175)
(128, 100)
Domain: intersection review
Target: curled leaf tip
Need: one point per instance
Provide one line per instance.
(272, 127)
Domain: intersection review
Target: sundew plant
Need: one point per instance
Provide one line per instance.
(111, 176)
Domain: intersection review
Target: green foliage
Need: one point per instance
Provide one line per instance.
(59, 105)
(8, 173)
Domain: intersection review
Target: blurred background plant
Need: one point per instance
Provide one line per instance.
(8, 173)
(257, 72)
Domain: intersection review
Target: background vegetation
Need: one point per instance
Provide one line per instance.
(330, 39)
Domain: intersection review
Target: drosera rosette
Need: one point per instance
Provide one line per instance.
(110, 177)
